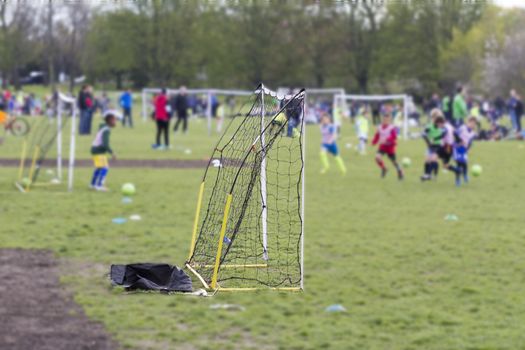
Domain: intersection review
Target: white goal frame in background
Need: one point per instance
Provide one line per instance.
(378, 98)
(205, 92)
(62, 101)
(328, 91)
(312, 92)
(335, 92)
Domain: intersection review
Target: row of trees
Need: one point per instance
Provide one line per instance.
(44, 37)
(364, 46)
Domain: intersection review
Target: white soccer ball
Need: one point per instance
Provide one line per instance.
(216, 163)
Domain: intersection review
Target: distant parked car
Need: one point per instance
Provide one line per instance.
(34, 78)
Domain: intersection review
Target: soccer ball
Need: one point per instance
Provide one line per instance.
(26, 181)
(280, 119)
(406, 162)
(128, 189)
(477, 170)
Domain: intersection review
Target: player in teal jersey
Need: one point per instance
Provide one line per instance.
(433, 135)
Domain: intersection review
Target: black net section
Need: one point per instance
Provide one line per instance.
(259, 161)
(41, 151)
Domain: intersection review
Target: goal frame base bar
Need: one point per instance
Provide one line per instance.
(24, 189)
(257, 289)
(192, 270)
(248, 266)
(20, 187)
(240, 289)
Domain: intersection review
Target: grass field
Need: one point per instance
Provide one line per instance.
(408, 278)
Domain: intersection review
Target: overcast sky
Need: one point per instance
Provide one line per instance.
(510, 3)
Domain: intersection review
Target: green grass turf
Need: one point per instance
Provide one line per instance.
(409, 279)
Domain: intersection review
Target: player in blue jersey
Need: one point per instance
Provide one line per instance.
(329, 145)
(464, 137)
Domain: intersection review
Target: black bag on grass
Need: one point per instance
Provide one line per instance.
(147, 276)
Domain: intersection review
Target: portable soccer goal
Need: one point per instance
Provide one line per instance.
(401, 119)
(248, 231)
(38, 151)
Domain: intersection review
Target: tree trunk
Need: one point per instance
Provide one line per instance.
(362, 81)
(118, 77)
(50, 53)
(71, 81)
(319, 79)
(157, 43)
(16, 77)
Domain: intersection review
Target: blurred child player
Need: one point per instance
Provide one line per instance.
(433, 136)
(99, 150)
(329, 145)
(386, 138)
(464, 137)
(361, 125)
(447, 145)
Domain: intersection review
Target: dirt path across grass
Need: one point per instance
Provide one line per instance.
(121, 163)
(36, 312)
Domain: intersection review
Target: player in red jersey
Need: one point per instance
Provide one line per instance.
(386, 138)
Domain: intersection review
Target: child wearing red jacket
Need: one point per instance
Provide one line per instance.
(162, 118)
(386, 138)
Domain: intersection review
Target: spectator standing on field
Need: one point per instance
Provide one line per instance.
(459, 107)
(85, 105)
(105, 103)
(126, 103)
(515, 108)
(499, 104)
(435, 101)
(446, 108)
(519, 112)
(90, 102)
(180, 106)
(162, 119)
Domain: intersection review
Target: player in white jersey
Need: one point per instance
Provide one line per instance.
(362, 128)
(447, 145)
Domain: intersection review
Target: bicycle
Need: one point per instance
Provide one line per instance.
(15, 125)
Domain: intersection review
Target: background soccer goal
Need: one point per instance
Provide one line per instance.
(249, 224)
(38, 149)
(402, 121)
(201, 103)
(319, 100)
